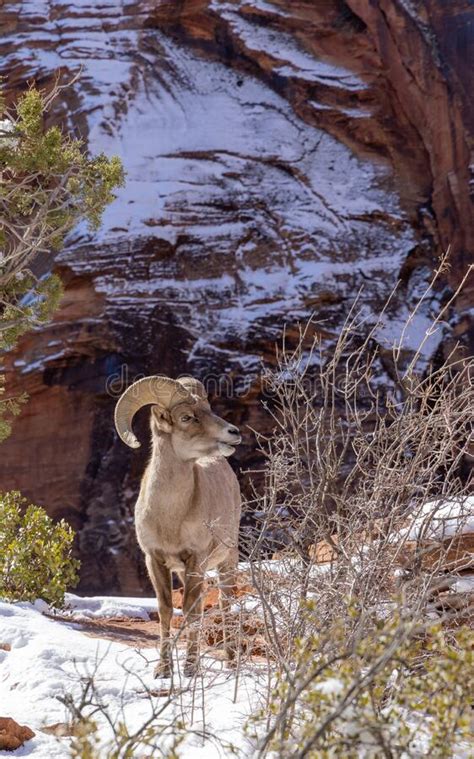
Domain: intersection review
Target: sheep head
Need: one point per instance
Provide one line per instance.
(180, 409)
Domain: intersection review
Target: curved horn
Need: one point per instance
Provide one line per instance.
(193, 386)
(161, 391)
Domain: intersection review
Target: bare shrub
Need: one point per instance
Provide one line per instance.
(356, 474)
(91, 719)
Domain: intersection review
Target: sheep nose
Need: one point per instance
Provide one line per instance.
(233, 430)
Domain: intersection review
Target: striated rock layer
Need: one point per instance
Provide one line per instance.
(280, 156)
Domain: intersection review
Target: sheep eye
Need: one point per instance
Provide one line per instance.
(186, 418)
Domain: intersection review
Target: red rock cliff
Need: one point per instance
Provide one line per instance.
(279, 156)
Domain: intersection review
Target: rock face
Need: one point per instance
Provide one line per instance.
(13, 735)
(280, 156)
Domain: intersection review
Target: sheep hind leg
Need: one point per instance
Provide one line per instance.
(160, 576)
(192, 611)
(228, 586)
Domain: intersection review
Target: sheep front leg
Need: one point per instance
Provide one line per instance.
(161, 579)
(228, 585)
(192, 611)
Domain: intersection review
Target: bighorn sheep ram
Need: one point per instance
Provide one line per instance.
(188, 510)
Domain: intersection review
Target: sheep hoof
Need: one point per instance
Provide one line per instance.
(162, 669)
(231, 663)
(191, 668)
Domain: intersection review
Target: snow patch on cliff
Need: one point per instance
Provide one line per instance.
(282, 47)
(260, 212)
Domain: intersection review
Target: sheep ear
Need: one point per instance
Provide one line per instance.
(162, 420)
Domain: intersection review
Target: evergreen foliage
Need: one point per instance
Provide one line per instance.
(35, 553)
(48, 184)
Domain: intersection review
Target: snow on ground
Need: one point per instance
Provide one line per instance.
(110, 606)
(48, 659)
(464, 584)
(441, 519)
